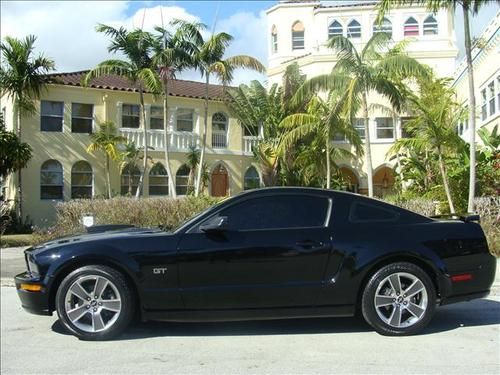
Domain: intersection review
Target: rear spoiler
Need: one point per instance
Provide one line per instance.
(464, 218)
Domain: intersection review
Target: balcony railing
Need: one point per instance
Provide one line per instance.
(249, 142)
(219, 140)
(178, 141)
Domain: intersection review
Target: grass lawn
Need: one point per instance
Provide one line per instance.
(15, 240)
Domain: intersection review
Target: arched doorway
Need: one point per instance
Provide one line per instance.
(219, 181)
(352, 182)
(383, 182)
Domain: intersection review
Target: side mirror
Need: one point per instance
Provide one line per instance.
(216, 224)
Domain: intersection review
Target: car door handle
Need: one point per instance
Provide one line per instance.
(309, 244)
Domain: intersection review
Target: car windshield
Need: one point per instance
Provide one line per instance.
(194, 218)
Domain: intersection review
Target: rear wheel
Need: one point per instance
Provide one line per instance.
(399, 299)
(95, 302)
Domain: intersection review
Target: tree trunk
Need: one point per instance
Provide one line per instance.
(19, 212)
(328, 167)
(472, 109)
(142, 115)
(442, 168)
(204, 140)
(368, 151)
(108, 179)
(171, 181)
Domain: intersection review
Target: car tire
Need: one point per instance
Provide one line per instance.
(95, 302)
(399, 300)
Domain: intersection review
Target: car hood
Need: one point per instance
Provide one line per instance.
(91, 237)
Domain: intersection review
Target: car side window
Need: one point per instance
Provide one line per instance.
(370, 213)
(278, 212)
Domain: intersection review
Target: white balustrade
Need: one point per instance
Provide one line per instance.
(219, 140)
(178, 141)
(249, 142)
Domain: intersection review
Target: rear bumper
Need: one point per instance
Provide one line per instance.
(33, 302)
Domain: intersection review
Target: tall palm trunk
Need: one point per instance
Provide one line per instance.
(171, 182)
(204, 139)
(328, 167)
(140, 186)
(472, 108)
(442, 168)
(368, 151)
(108, 178)
(19, 173)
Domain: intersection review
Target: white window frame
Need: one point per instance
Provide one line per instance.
(430, 27)
(83, 117)
(405, 24)
(165, 176)
(83, 186)
(274, 40)
(331, 33)
(61, 172)
(298, 42)
(52, 116)
(151, 117)
(180, 111)
(132, 116)
(377, 128)
(358, 29)
(383, 28)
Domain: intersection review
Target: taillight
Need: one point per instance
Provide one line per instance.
(461, 277)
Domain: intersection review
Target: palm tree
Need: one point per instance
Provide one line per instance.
(23, 78)
(130, 158)
(468, 6)
(324, 120)
(209, 59)
(15, 154)
(433, 127)
(106, 140)
(136, 46)
(359, 74)
(171, 55)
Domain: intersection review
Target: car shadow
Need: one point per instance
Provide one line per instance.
(465, 314)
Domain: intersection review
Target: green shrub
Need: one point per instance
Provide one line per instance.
(146, 212)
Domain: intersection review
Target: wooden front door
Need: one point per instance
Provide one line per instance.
(220, 182)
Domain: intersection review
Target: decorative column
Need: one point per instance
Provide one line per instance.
(119, 106)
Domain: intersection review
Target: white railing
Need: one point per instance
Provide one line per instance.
(219, 140)
(178, 141)
(249, 142)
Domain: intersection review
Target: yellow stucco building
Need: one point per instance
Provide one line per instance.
(62, 169)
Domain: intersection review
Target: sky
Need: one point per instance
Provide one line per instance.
(66, 29)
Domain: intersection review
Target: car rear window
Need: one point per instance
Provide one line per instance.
(371, 213)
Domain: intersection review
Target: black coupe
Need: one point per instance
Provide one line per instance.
(264, 254)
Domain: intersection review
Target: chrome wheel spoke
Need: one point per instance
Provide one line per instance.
(97, 322)
(395, 283)
(415, 310)
(78, 291)
(77, 313)
(395, 319)
(100, 284)
(112, 305)
(383, 301)
(414, 288)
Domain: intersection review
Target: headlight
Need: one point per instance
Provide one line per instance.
(31, 264)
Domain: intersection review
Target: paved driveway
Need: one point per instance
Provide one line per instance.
(462, 338)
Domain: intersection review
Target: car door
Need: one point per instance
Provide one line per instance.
(273, 253)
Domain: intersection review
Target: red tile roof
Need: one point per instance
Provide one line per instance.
(178, 87)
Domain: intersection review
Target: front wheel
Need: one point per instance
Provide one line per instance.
(399, 300)
(95, 303)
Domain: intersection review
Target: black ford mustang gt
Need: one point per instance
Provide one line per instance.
(264, 254)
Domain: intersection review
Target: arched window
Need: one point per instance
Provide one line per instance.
(298, 33)
(129, 181)
(252, 179)
(182, 180)
(354, 29)
(219, 130)
(430, 26)
(51, 180)
(274, 39)
(384, 27)
(158, 180)
(411, 27)
(334, 29)
(81, 180)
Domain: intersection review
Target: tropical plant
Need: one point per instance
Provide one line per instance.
(433, 127)
(209, 59)
(361, 73)
(22, 79)
(14, 154)
(324, 120)
(468, 6)
(136, 46)
(106, 139)
(129, 159)
(172, 54)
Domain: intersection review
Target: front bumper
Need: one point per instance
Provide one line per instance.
(33, 302)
